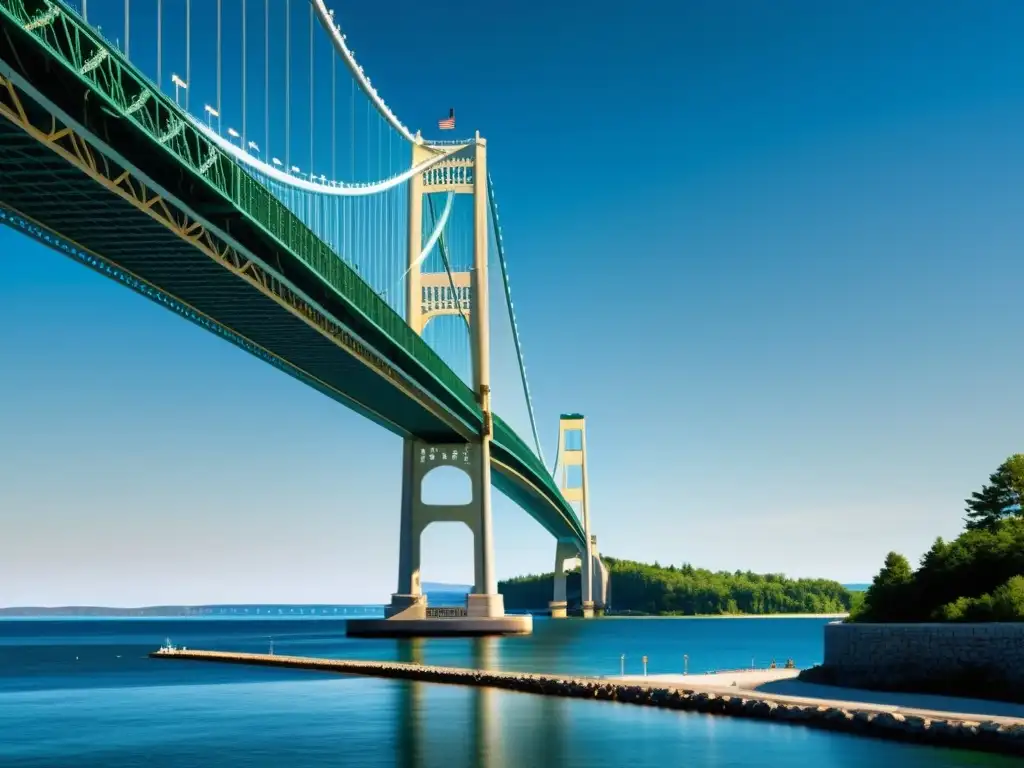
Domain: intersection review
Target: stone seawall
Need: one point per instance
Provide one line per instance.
(997, 734)
(978, 660)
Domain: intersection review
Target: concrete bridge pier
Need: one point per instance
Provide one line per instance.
(567, 555)
(408, 615)
(572, 481)
(418, 460)
(602, 581)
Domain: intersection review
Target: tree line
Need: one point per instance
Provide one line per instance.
(979, 576)
(686, 590)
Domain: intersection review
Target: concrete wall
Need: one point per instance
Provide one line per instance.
(907, 655)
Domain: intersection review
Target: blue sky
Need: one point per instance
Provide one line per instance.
(770, 250)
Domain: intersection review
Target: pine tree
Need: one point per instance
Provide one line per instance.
(934, 556)
(1000, 498)
(888, 598)
(895, 572)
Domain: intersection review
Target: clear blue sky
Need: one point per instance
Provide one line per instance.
(773, 251)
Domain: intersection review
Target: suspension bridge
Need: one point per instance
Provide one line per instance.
(231, 161)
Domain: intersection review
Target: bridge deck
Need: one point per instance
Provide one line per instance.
(93, 155)
(40, 185)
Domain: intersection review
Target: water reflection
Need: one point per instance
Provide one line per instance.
(409, 710)
(478, 739)
(486, 732)
(114, 706)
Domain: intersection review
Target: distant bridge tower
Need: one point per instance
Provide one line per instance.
(571, 475)
(429, 295)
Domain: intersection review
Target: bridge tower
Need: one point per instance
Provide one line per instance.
(573, 483)
(429, 295)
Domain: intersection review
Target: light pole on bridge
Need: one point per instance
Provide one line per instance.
(210, 113)
(178, 84)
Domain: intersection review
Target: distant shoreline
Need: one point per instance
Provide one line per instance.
(191, 612)
(348, 611)
(738, 616)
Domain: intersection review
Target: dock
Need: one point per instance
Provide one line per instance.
(708, 695)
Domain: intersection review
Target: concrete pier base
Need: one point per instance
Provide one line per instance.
(588, 609)
(559, 609)
(459, 626)
(407, 607)
(490, 606)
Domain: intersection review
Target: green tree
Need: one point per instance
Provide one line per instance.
(1000, 498)
(1006, 603)
(979, 576)
(688, 590)
(889, 596)
(896, 572)
(1008, 600)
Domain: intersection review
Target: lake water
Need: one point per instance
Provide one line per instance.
(83, 693)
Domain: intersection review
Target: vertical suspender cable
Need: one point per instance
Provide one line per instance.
(312, 90)
(334, 119)
(127, 30)
(352, 171)
(313, 199)
(352, 135)
(378, 204)
(85, 10)
(266, 78)
(218, 64)
(188, 50)
(287, 84)
(159, 44)
(369, 205)
(388, 221)
(334, 150)
(245, 104)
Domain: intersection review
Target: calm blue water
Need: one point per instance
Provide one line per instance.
(83, 693)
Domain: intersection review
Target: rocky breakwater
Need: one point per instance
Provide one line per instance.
(1005, 735)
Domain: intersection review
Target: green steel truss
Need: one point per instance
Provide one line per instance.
(77, 74)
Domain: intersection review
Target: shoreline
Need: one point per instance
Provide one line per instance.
(345, 617)
(999, 734)
(734, 616)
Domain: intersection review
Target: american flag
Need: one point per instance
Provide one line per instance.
(448, 124)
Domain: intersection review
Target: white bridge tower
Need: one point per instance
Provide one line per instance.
(571, 476)
(429, 295)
